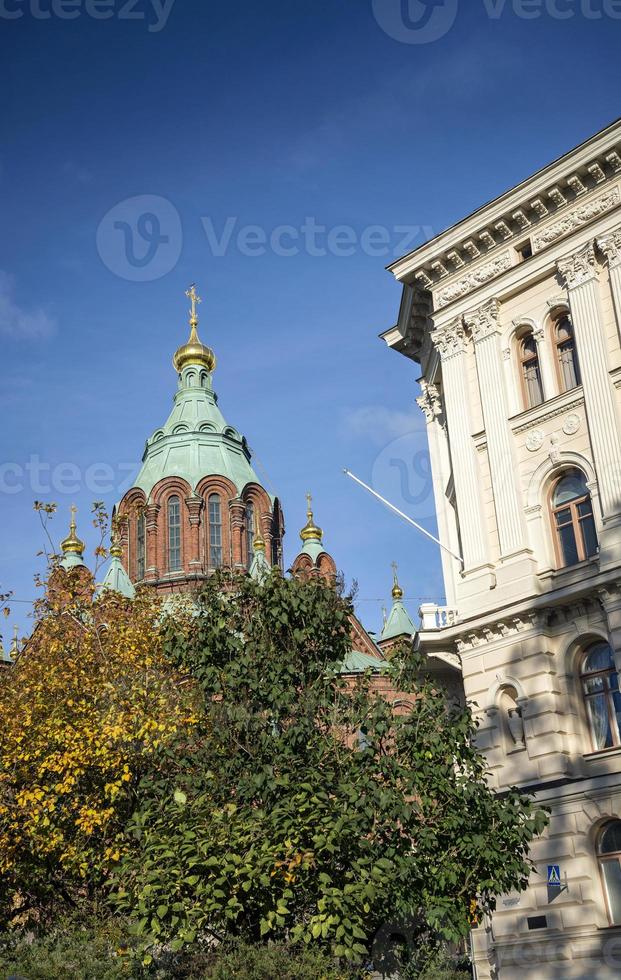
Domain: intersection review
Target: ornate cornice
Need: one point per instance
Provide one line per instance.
(610, 246)
(484, 321)
(450, 339)
(579, 268)
(429, 402)
(542, 417)
(576, 218)
(478, 277)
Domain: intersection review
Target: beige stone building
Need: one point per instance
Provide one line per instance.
(514, 316)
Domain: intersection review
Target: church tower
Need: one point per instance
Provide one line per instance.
(197, 502)
(313, 559)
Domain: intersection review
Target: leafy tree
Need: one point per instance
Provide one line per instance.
(304, 808)
(83, 713)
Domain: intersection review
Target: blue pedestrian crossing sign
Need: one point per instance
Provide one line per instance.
(554, 876)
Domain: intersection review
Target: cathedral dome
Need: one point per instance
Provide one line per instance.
(194, 352)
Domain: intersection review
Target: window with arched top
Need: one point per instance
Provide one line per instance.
(575, 536)
(249, 531)
(567, 366)
(609, 859)
(174, 534)
(214, 507)
(600, 690)
(140, 546)
(530, 371)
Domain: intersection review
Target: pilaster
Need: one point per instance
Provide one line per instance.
(450, 340)
(151, 523)
(579, 274)
(194, 505)
(610, 246)
(238, 520)
(484, 326)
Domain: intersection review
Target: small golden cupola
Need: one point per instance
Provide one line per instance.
(397, 591)
(194, 352)
(72, 547)
(310, 531)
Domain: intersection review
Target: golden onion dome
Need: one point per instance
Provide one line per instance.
(397, 591)
(194, 352)
(310, 531)
(72, 544)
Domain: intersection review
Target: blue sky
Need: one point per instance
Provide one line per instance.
(267, 115)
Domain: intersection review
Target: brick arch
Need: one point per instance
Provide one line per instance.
(126, 514)
(227, 491)
(157, 525)
(326, 566)
(254, 493)
(303, 566)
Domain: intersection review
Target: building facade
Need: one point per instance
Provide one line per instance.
(514, 317)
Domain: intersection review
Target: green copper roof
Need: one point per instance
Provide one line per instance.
(399, 622)
(71, 560)
(357, 662)
(116, 578)
(196, 440)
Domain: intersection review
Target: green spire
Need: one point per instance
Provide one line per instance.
(116, 578)
(399, 622)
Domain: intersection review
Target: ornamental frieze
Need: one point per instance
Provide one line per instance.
(576, 218)
(478, 277)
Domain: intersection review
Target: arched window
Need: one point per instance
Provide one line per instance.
(249, 531)
(215, 531)
(572, 516)
(530, 373)
(600, 688)
(140, 546)
(609, 857)
(174, 534)
(566, 354)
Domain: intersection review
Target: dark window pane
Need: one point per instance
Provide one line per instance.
(563, 517)
(589, 536)
(599, 657)
(567, 540)
(599, 722)
(612, 878)
(594, 685)
(610, 841)
(174, 535)
(570, 487)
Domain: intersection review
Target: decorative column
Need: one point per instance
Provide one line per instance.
(610, 600)
(484, 325)
(580, 275)
(610, 246)
(450, 341)
(238, 518)
(430, 404)
(120, 530)
(194, 505)
(151, 514)
(545, 362)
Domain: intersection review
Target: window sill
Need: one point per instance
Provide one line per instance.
(613, 751)
(557, 402)
(567, 570)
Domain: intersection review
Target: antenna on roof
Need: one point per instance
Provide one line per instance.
(404, 516)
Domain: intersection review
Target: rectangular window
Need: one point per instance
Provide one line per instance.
(174, 535)
(215, 532)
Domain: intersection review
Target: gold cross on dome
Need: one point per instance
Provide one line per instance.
(394, 567)
(309, 503)
(194, 299)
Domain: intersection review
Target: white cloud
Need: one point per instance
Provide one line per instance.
(16, 321)
(378, 423)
